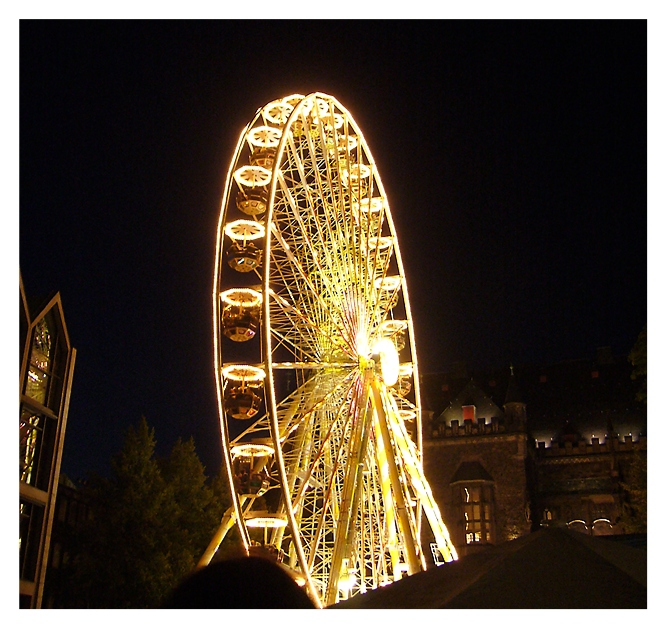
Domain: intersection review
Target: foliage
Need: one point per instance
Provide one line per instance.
(634, 485)
(152, 520)
(638, 358)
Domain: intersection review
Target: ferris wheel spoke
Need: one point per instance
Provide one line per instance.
(304, 276)
(320, 390)
(315, 257)
(318, 456)
(326, 204)
(313, 366)
(305, 341)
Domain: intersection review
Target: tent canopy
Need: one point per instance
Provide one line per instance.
(550, 568)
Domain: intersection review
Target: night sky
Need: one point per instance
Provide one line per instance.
(514, 156)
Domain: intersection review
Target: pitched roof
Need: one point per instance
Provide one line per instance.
(471, 471)
(471, 395)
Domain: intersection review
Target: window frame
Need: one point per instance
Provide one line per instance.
(476, 498)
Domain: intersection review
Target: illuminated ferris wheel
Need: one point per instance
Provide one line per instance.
(315, 363)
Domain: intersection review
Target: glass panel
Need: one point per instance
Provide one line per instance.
(30, 532)
(40, 357)
(30, 440)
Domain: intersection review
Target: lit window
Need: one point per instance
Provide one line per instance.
(477, 511)
(40, 358)
(30, 439)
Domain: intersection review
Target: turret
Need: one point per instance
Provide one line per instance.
(515, 410)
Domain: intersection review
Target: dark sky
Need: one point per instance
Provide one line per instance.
(514, 156)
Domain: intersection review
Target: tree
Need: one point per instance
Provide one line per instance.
(197, 511)
(152, 520)
(638, 358)
(127, 563)
(634, 485)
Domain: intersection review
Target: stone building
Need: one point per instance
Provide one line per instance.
(564, 444)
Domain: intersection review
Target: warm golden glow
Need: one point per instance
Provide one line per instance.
(243, 373)
(248, 450)
(355, 173)
(381, 243)
(333, 122)
(406, 370)
(242, 297)
(373, 205)
(278, 111)
(252, 176)
(264, 136)
(388, 284)
(407, 415)
(389, 360)
(264, 519)
(245, 230)
(388, 328)
(347, 143)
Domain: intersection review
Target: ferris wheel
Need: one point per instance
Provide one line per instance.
(315, 362)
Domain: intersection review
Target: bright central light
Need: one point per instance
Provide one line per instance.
(389, 361)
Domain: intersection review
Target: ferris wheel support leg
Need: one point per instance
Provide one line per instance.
(413, 562)
(226, 524)
(350, 496)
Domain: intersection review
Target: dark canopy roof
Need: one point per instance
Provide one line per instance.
(551, 568)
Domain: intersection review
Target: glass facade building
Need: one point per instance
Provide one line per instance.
(46, 368)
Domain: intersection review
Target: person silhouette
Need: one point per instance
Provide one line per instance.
(243, 582)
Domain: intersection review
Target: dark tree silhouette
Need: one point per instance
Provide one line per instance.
(151, 521)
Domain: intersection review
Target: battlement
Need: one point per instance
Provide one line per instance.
(469, 427)
(496, 425)
(594, 446)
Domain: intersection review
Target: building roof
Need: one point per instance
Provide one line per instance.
(592, 395)
(470, 395)
(550, 568)
(471, 471)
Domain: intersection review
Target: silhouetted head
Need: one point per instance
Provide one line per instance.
(247, 582)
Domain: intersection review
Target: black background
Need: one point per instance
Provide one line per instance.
(513, 153)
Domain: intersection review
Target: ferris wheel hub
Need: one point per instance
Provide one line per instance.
(385, 354)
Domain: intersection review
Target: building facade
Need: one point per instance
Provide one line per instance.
(558, 445)
(45, 379)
